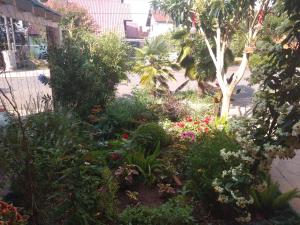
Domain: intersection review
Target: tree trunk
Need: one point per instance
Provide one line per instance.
(201, 88)
(225, 105)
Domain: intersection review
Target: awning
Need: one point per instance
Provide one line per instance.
(31, 11)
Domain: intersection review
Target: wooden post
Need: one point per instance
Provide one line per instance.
(7, 33)
(13, 34)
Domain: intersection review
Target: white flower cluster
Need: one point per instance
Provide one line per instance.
(296, 129)
(273, 151)
(166, 124)
(242, 154)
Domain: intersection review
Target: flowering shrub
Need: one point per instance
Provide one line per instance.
(190, 129)
(245, 168)
(204, 163)
(10, 215)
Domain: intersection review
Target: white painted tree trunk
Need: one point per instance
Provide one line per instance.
(219, 55)
(229, 88)
(225, 105)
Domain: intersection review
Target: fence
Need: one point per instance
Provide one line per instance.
(27, 28)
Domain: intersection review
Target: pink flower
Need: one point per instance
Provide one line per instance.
(188, 135)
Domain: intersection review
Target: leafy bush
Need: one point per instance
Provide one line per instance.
(170, 213)
(124, 113)
(173, 159)
(171, 108)
(269, 199)
(146, 164)
(86, 69)
(284, 216)
(204, 163)
(238, 43)
(70, 184)
(149, 135)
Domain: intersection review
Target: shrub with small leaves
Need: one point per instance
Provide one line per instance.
(171, 213)
(148, 135)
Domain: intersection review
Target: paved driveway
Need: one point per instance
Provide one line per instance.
(26, 88)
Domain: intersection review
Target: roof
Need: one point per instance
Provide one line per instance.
(109, 15)
(133, 31)
(161, 17)
(30, 10)
(39, 4)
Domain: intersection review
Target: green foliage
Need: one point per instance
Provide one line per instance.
(148, 165)
(70, 184)
(270, 199)
(257, 60)
(148, 136)
(108, 194)
(193, 57)
(154, 66)
(277, 101)
(171, 108)
(86, 69)
(284, 216)
(204, 163)
(178, 10)
(125, 113)
(170, 213)
(74, 18)
(238, 44)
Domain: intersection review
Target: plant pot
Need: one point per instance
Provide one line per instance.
(10, 62)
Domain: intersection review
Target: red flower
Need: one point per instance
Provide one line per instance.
(206, 130)
(189, 119)
(197, 122)
(206, 120)
(125, 136)
(180, 124)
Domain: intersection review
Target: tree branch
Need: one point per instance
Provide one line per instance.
(208, 46)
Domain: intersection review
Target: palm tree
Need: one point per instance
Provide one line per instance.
(154, 66)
